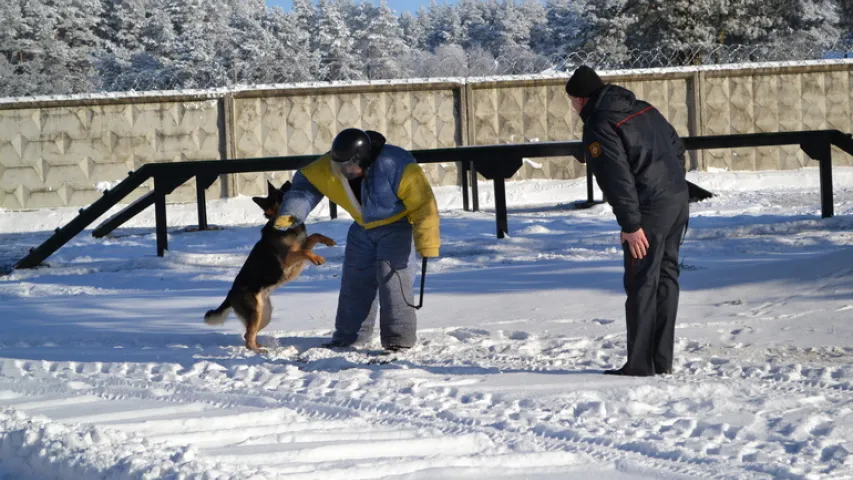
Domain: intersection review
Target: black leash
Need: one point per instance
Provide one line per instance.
(423, 281)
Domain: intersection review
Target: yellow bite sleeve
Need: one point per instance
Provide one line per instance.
(422, 210)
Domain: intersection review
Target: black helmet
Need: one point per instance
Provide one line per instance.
(352, 144)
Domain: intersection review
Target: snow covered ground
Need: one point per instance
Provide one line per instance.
(107, 370)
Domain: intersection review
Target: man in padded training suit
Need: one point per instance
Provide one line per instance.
(391, 202)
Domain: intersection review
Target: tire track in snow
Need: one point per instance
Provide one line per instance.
(317, 405)
(268, 384)
(387, 414)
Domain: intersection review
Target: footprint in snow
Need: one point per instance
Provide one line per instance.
(730, 302)
(518, 335)
(463, 334)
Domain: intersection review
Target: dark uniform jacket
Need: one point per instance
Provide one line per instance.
(635, 154)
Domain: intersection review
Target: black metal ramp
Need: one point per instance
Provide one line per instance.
(499, 162)
(697, 193)
(87, 215)
(124, 215)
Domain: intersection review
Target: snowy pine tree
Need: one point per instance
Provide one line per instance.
(745, 21)
(511, 41)
(476, 24)
(606, 24)
(301, 41)
(379, 42)
(142, 62)
(16, 69)
(60, 46)
(413, 33)
(446, 27)
(563, 29)
(335, 44)
(535, 18)
(246, 47)
(481, 62)
(158, 35)
(845, 8)
(807, 25)
(120, 27)
(510, 28)
(683, 30)
(57, 43)
(448, 60)
(425, 21)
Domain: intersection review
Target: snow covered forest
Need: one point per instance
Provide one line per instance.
(83, 46)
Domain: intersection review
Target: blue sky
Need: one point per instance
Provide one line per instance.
(397, 5)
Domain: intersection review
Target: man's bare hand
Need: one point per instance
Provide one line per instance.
(638, 245)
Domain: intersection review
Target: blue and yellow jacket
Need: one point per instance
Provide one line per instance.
(394, 187)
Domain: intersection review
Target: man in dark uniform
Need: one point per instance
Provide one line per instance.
(638, 162)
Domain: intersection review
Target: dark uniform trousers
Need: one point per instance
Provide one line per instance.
(651, 284)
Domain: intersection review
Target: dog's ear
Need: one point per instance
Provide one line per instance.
(270, 188)
(285, 186)
(261, 201)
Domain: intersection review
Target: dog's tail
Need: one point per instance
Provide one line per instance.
(218, 316)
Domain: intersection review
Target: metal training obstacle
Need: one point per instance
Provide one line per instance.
(494, 162)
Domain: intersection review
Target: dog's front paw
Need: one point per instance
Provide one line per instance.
(318, 260)
(328, 242)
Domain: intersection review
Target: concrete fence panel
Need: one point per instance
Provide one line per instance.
(64, 151)
(302, 122)
(64, 155)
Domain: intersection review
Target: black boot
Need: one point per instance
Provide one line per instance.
(628, 373)
(396, 348)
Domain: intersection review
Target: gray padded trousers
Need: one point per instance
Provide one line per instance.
(378, 271)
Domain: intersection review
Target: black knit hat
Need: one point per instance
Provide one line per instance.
(584, 82)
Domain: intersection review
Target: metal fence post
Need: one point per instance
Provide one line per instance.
(160, 214)
(500, 207)
(202, 183)
(463, 170)
(475, 192)
(825, 165)
(819, 147)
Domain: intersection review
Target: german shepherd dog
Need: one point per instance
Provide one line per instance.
(277, 258)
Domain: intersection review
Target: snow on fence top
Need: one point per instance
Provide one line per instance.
(214, 93)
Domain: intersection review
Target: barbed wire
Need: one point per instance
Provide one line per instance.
(668, 57)
(449, 63)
